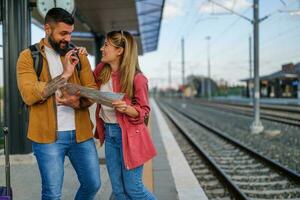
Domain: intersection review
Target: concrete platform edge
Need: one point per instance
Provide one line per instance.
(186, 183)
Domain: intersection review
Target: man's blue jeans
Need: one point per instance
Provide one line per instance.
(83, 157)
(126, 184)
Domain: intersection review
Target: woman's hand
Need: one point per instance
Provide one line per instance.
(120, 106)
(69, 64)
(82, 50)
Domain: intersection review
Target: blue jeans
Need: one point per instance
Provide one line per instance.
(83, 157)
(126, 184)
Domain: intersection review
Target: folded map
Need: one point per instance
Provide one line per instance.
(104, 98)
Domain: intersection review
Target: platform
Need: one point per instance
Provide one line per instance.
(168, 175)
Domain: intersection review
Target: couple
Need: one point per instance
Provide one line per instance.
(60, 125)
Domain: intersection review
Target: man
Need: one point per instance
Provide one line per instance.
(59, 125)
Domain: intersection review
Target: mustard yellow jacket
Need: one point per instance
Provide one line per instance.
(42, 112)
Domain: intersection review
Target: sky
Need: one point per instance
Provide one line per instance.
(195, 20)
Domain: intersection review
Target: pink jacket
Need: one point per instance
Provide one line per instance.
(136, 141)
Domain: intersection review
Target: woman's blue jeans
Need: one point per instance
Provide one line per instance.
(126, 184)
(83, 157)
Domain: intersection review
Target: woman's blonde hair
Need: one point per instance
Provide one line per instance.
(129, 60)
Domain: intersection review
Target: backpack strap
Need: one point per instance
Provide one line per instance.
(37, 59)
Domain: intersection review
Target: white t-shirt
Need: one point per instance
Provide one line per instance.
(65, 114)
(107, 114)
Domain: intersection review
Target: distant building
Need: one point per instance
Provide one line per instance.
(280, 84)
(198, 86)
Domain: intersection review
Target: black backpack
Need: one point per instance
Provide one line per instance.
(38, 59)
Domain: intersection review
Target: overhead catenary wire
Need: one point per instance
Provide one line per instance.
(287, 32)
(222, 34)
(190, 24)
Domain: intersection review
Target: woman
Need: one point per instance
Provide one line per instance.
(127, 142)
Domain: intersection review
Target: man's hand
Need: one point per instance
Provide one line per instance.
(65, 99)
(53, 86)
(69, 63)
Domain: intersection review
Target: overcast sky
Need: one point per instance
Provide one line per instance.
(194, 20)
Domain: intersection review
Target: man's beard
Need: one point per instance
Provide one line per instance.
(56, 46)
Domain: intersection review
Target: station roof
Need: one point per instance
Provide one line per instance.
(276, 75)
(142, 18)
(280, 74)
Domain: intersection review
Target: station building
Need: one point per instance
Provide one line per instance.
(280, 84)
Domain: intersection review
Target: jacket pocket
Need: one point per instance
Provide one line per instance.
(136, 130)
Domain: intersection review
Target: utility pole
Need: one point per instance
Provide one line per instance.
(250, 68)
(182, 61)
(170, 75)
(256, 127)
(208, 69)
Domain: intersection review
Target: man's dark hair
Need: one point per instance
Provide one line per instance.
(56, 15)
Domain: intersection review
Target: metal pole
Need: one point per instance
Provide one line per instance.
(7, 163)
(256, 126)
(170, 74)
(182, 61)
(16, 34)
(208, 69)
(203, 87)
(298, 88)
(250, 69)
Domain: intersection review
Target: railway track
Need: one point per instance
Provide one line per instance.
(208, 179)
(246, 173)
(278, 113)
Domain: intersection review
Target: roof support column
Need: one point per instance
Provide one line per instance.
(99, 41)
(16, 37)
